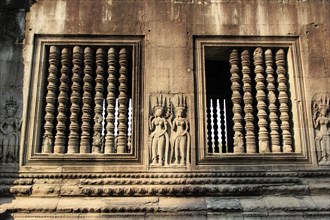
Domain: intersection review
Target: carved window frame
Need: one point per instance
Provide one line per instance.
(303, 153)
(32, 132)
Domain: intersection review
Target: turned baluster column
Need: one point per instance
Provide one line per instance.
(236, 99)
(48, 137)
(283, 99)
(85, 142)
(63, 99)
(273, 118)
(98, 99)
(212, 125)
(248, 103)
(111, 101)
(123, 100)
(261, 101)
(75, 98)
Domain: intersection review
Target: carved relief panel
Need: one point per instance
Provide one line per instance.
(169, 131)
(321, 123)
(10, 127)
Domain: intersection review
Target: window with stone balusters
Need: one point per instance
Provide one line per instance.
(87, 103)
(245, 88)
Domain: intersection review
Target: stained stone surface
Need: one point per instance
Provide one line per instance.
(44, 186)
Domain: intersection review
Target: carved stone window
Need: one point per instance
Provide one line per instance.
(86, 104)
(245, 92)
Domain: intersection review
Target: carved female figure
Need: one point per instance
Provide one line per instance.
(321, 122)
(9, 134)
(159, 137)
(180, 140)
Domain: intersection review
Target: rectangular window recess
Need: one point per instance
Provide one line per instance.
(83, 100)
(249, 95)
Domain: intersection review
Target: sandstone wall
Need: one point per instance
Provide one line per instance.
(168, 29)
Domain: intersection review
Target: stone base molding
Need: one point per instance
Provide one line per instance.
(168, 208)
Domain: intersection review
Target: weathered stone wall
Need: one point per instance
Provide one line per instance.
(11, 57)
(168, 28)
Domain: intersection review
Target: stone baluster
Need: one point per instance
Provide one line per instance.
(219, 125)
(111, 101)
(236, 100)
(85, 142)
(63, 99)
(223, 126)
(283, 100)
(48, 137)
(75, 98)
(261, 101)
(129, 130)
(272, 108)
(209, 128)
(248, 103)
(98, 99)
(123, 100)
(212, 125)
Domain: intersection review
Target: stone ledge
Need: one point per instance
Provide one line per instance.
(204, 206)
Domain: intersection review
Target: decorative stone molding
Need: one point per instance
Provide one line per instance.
(169, 138)
(321, 123)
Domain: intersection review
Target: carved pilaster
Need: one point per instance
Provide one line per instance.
(111, 101)
(48, 138)
(236, 100)
(123, 100)
(272, 108)
(248, 103)
(261, 101)
(284, 100)
(85, 142)
(75, 98)
(98, 99)
(63, 99)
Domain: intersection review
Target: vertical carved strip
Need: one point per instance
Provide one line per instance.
(75, 98)
(212, 125)
(273, 118)
(129, 130)
(85, 143)
(223, 126)
(63, 99)
(111, 101)
(208, 122)
(236, 99)
(261, 101)
(283, 99)
(48, 139)
(122, 99)
(98, 99)
(219, 125)
(216, 128)
(248, 103)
